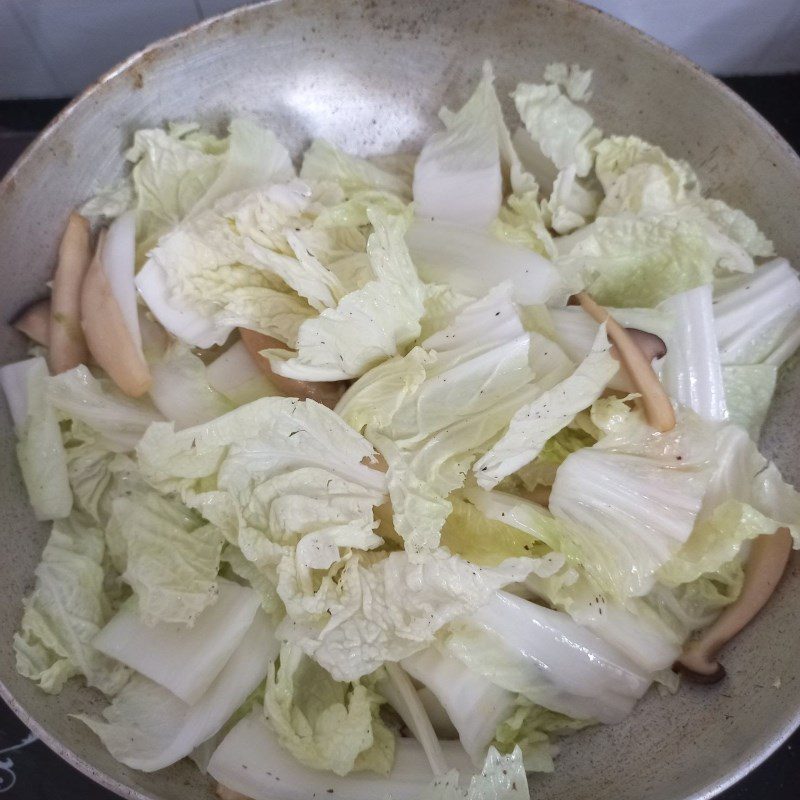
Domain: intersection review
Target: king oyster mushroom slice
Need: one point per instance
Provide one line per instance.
(765, 566)
(657, 406)
(109, 315)
(67, 344)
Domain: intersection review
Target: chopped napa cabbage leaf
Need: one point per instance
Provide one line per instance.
(323, 723)
(535, 423)
(171, 557)
(473, 383)
(67, 608)
(250, 760)
(275, 475)
(738, 227)
(186, 660)
(716, 540)
(457, 257)
(542, 470)
(119, 421)
(757, 317)
(628, 260)
(387, 609)
(148, 728)
(249, 572)
(637, 176)
(521, 222)
(474, 704)
(533, 729)
(181, 390)
(746, 497)
(184, 170)
(693, 606)
(564, 131)
(441, 307)
(571, 205)
(40, 450)
(574, 80)
(692, 372)
(110, 201)
(548, 658)
(226, 266)
(748, 393)
(370, 324)
(631, 626)
(323, 162)
(640, 178)
(630, 501)
(469, 534)
(457, 176)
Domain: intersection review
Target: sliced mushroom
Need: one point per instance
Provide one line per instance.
(326, 393)
(107, 332)
(657, 406)
(67, 343)
(765, 566)
(653, 348)
(34, 322)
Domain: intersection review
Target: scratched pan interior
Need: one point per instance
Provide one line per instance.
(370, 78)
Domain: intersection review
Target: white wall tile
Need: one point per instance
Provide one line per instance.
(81, 39)
(23, 73)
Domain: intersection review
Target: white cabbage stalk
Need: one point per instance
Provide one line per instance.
(473, 703)
(148, 728)
(14, 381)
(458, 257)
(457, 175)
(251, 761)
(179, 318)
(121, 421)
(182, 659)
(181, 389)
(400, 693)
(635, 510)
(119, 257)
(631, 626)
(550, 659)
(692, 372)
(40, 450)
(442, 723)
(235, 375)
(757, 317)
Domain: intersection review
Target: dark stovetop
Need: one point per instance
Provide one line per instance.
(30, 771)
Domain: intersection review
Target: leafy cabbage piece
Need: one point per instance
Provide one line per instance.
(326, 724)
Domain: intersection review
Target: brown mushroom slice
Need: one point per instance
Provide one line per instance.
(34, 322)
(765, 566)
(326, 393)
(653, 347)
(67, 343)
(107, 332)
(657, 406)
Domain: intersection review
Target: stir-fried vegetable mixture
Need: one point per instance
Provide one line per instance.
(420, 459)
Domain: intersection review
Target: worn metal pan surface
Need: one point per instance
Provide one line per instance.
(370, 76)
